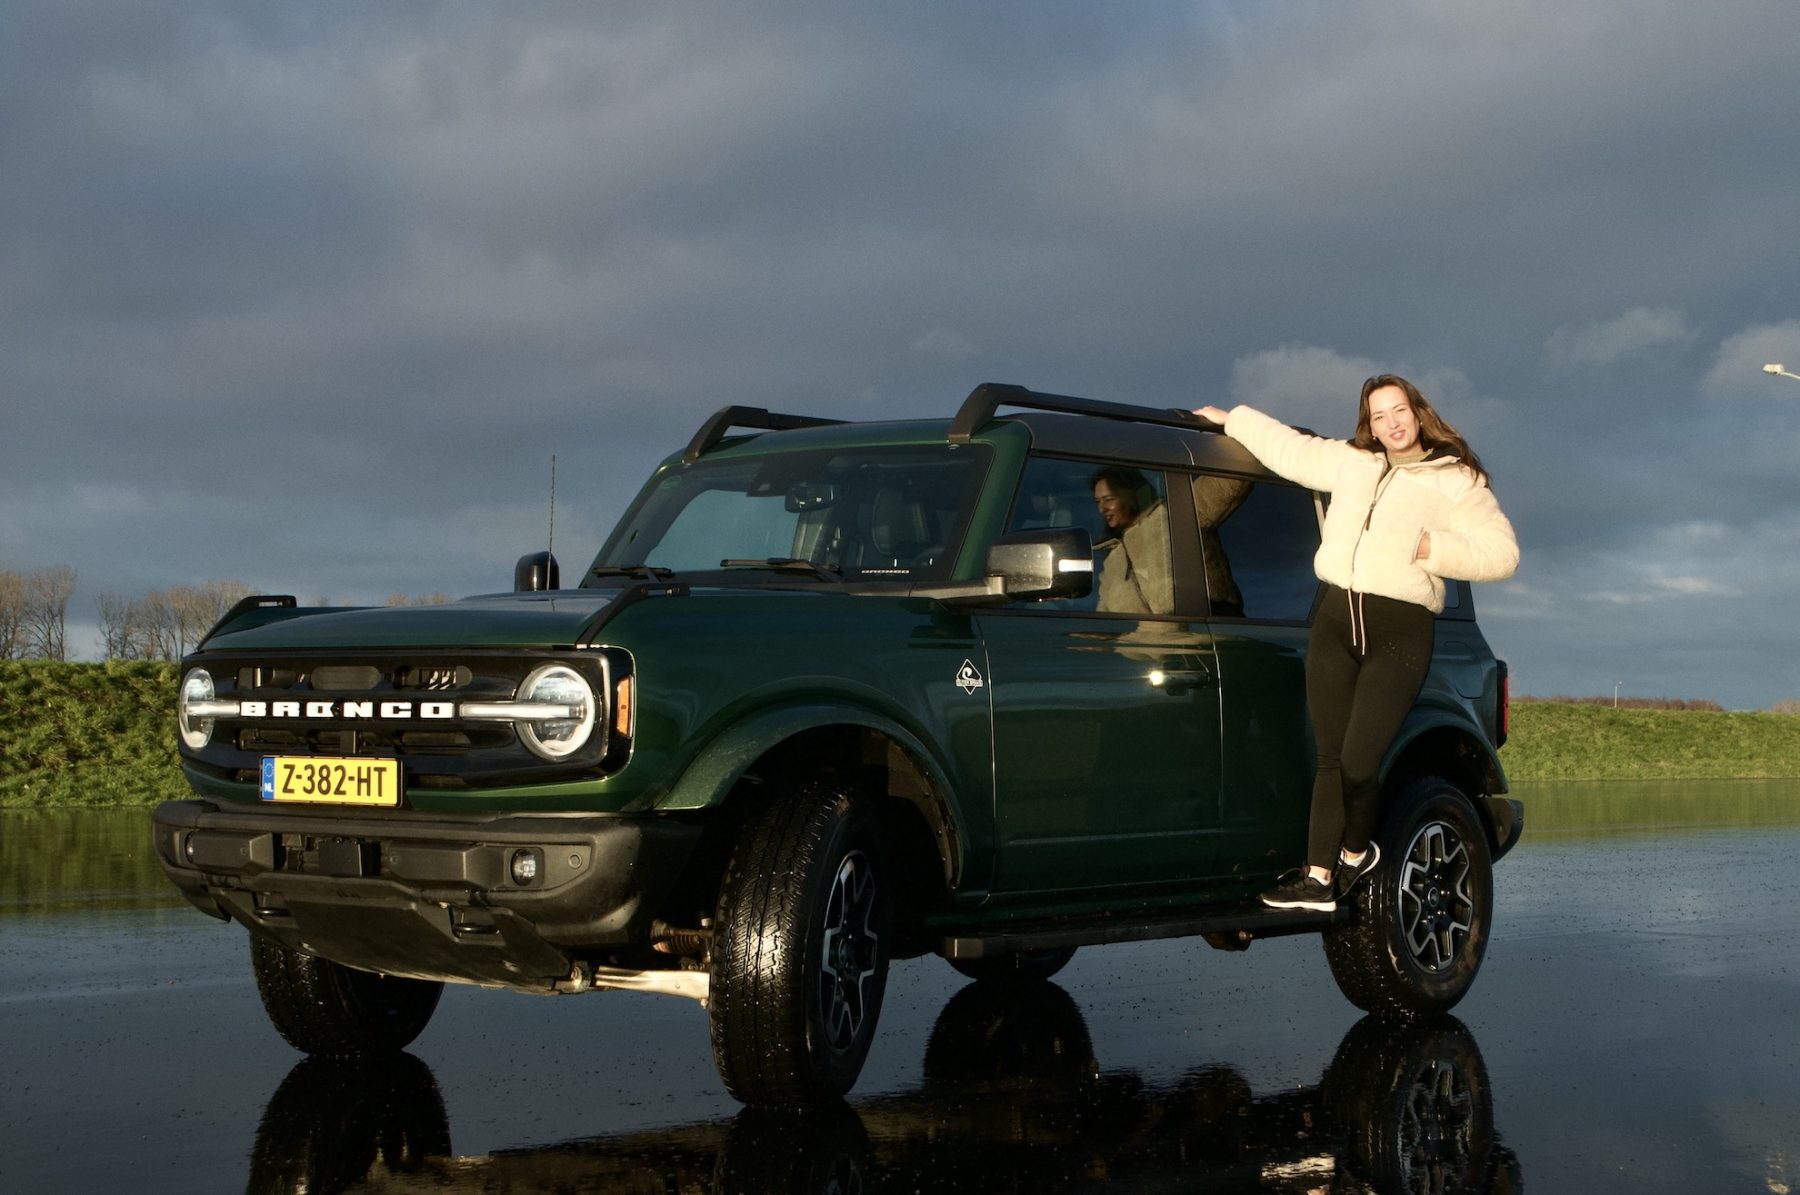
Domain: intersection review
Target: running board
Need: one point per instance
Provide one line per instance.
(1229, 927)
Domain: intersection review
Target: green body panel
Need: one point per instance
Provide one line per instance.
(494, 620)
(724, 676)
(1094, 762)
(1267, 794)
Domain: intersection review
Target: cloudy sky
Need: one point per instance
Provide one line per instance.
(306, 295)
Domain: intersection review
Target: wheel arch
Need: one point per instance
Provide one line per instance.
(1437, 744)
(840, 742)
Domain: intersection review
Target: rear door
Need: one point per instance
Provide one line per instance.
(1259, 550)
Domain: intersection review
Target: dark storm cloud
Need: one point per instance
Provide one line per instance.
(308, 294)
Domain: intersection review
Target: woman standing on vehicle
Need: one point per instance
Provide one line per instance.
(1410, 505)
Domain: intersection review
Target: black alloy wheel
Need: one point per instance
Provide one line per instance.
(1422, 916)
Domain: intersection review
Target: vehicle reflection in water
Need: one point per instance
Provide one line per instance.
(1013, 1099)
(335, 1123)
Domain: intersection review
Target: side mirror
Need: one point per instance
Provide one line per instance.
(536, 571)
(1037, 565)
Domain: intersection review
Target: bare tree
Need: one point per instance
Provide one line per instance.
(12, 615)
(424, 599)
(118, 629)
(47, 592)
(167, 623)
(195, 609)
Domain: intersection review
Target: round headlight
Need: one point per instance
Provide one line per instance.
(564, 732)
(196, 687)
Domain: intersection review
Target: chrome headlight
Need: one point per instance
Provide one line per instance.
(557, 710)
(197, 692)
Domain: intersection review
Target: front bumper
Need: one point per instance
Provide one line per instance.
(430, 897)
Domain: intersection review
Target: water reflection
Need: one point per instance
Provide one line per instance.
(335, 1123)
(57, 860)
(1013, 1099)
(1606, 808)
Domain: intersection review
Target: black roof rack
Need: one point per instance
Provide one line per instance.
(726, 418)
(985, 399)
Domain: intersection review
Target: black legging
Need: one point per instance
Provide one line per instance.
(1365, 664)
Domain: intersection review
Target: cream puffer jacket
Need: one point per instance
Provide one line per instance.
(1378, 515)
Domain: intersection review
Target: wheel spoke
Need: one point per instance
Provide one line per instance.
(1436, 911)
(1436, 1126)
(849, 951)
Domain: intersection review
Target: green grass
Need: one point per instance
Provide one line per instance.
(1558, 741)
(87, 734)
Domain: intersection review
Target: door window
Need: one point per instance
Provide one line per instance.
(1125, 513)
(1258, 540)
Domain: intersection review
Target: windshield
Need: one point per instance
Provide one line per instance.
(866, 513)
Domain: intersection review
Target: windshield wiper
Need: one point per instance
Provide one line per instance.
(787, 564)
(640, 572)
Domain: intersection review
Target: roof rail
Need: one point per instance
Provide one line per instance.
(726, 418)
(985, 399)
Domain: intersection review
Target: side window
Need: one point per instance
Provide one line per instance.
(1124, 512)
(1258, 541)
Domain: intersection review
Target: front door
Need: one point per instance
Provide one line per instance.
(1106, 750)
(1105, 709)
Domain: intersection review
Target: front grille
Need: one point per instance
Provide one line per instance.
(372, 742)
(405, 707)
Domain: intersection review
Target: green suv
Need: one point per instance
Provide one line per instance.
(831, 694)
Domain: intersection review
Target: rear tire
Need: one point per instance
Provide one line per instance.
(1422, 917)
(800, 951)
(328, 1009)
(1413, 1104)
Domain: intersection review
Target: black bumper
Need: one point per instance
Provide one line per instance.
(1506, 820)
(433, 896)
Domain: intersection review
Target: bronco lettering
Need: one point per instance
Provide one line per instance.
(324, 710)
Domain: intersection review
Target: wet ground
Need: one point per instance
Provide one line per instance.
(1636, 1027)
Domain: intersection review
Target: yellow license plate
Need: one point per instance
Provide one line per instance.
(329, 781)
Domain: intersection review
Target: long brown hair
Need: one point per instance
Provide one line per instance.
(1435, 431)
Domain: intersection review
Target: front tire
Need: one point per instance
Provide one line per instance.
(328, 1009)
(800, 951)
(1423, 916)
(1024, 966)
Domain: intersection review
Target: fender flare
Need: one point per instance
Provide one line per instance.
(1503, 818)
(1424, 723)
(723, 762)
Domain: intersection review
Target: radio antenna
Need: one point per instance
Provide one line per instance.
(550, 546)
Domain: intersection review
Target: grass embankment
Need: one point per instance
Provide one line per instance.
(1560, 741)
(87, 734)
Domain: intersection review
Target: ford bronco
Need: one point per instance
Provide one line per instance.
(831, 694)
